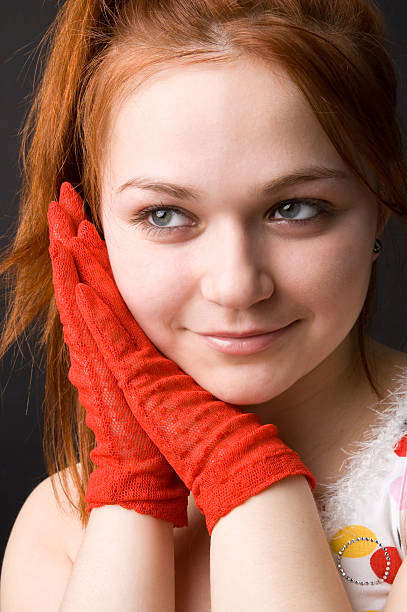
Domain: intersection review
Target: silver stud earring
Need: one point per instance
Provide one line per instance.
(377, 246)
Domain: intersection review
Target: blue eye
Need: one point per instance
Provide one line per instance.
(160, 215)
(165, 215)
(293, 212)
(292, 208)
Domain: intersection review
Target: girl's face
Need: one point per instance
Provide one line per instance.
(221, 252)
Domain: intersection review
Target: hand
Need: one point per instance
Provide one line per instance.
(131, 470)
(222, 454)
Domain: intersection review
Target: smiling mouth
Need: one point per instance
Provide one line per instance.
(248, 334)
(245, 345)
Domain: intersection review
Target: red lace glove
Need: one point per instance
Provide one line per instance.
(131, 470)
(223, 455)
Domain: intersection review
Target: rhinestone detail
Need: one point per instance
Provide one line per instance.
(364, 582)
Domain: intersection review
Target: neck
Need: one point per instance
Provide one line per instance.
(325, 406)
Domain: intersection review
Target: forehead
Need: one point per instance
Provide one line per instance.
(216, 120)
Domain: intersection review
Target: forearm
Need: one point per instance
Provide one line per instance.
(271, 553)
(123, 557)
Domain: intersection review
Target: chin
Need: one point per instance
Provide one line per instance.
(243, 397)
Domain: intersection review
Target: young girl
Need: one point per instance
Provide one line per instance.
(220, 173)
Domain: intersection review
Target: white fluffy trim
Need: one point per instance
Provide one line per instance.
(366, 468)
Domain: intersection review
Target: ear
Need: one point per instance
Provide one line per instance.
(384, 214)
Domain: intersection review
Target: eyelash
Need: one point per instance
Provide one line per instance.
(139, 219)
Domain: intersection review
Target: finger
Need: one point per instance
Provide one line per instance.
(72, 203)
(95, 382)
(88, 233)
(61, 225)
(65, 278)
(134, 360)
(64, 273)
(111, 337)
(90, 268)
(93, 274)
(89, 236)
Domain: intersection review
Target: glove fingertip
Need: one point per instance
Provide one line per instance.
(71, 201)
(51, 209)
(61, 224)
(89, 234)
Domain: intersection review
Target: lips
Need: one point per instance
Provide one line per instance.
(241, 334)
(245, 345)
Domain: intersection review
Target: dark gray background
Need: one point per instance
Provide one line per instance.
(21, 462)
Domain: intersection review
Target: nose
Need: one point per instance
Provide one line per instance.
(237, 271)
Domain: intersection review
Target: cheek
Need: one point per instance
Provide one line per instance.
(330, 277)
(152, 289)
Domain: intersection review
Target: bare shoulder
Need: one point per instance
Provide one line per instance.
(40, 551)
(65, 518)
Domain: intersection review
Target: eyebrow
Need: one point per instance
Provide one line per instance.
(186, 192)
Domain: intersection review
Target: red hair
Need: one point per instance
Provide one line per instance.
(96, 51)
